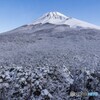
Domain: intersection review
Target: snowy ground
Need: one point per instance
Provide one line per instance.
(47, 62)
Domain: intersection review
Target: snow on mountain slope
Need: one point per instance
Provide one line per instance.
(58, 19)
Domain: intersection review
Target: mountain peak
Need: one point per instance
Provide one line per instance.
(60, 19)
(52, 17)
(55, 15)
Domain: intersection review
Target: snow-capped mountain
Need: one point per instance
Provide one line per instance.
(60, 19)
(48, 60)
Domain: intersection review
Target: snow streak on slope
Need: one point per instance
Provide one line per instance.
(59, 19)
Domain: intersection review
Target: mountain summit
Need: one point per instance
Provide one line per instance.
(60, 19)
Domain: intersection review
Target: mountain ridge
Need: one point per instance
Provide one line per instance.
(59, 19)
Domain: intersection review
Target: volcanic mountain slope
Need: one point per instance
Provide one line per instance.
(54, 49)
(60, 19)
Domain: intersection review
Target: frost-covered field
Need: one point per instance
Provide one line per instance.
(47, 62)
